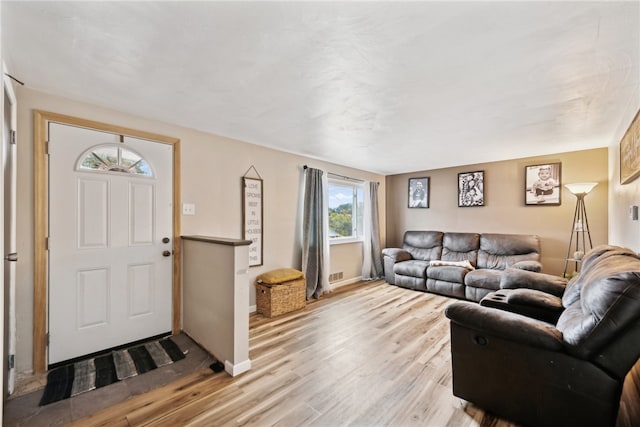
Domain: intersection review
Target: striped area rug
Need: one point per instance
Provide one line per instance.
(79, 377)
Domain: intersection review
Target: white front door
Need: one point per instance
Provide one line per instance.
(110, 261)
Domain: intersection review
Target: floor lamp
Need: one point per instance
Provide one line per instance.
(580, 226)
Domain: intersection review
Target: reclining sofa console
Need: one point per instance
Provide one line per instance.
(565, 352)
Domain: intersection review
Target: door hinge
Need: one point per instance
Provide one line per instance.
(12, 361)
(12, 138)
(46, 148)
(46, 243)
(47, 339)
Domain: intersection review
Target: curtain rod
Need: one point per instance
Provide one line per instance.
(335, 175)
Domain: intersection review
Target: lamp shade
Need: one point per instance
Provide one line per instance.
(581, 187)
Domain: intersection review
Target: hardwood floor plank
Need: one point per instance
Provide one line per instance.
(370, 354)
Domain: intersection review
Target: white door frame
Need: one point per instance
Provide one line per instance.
(41, 120)
(10, 328)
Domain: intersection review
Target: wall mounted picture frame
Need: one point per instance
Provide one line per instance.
(252, 214)
(543, 184)
(419, 192)
(470, 189)
(630, 152)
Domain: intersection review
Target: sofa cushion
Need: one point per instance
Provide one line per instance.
(415, 268)
(572, 291)
(528, 265)
(514, 278)
(484, 278)
(279, 276)
(609, 302)
(410, 282)
(423, 245)
(460, 247)
(500, 251)
(446, 288)
(447, 273)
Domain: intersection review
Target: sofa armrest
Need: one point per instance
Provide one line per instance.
(528, 266)
(534, 298)
(397, 254)
(528, 302)
(506, 325)
(514, 278)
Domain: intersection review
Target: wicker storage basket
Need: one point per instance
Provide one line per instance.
(279, 298)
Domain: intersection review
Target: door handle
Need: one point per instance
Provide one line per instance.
(165, 240)
(166, 253)
(12, 257)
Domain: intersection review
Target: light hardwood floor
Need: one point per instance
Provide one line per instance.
(366, 355)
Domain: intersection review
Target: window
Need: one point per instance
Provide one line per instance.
(113, 158)
(346, 208)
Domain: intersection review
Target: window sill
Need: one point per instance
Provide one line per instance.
(345, 240)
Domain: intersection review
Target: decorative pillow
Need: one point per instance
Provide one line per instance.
(463, 264)
(280, 275)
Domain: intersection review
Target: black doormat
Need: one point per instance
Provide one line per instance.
(79, 377)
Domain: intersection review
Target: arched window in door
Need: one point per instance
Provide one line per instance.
(113, 158)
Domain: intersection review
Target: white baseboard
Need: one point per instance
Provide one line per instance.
(335, 285)
(252, 309)
(238, 368)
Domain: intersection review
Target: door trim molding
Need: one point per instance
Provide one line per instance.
(41, 213)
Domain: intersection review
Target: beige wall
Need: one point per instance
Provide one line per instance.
(622, 230)
(212, 167)
(504, 210)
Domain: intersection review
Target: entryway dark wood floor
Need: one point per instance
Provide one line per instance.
(369, 354)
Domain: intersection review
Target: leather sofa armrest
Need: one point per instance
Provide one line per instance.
(506, 325)
(397, 254)
(534, 298)
(528, 302)
(528, 266)
(514, 278)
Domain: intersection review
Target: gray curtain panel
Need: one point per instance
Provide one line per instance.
(313, 239)
(372, 255)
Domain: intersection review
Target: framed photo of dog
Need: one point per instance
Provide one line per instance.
(543, 184)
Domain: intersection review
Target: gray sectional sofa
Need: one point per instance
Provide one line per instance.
(461, 265)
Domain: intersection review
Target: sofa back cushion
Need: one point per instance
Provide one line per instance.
(572, 291)
(423, 245)
(608, 303)
(461, 247)
(500, 251)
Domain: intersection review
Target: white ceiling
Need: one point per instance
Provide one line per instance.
(387, 87)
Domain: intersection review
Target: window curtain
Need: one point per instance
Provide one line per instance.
(372, 255)
(315, 233)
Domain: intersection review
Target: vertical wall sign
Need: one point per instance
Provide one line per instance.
(252, 216)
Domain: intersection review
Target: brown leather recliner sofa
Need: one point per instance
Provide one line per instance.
(544, 373)
(434, 261)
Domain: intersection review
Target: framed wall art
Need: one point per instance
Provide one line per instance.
(543, 184)
(419, 192)
(630, 152)
(471, 189)
(252, 213)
